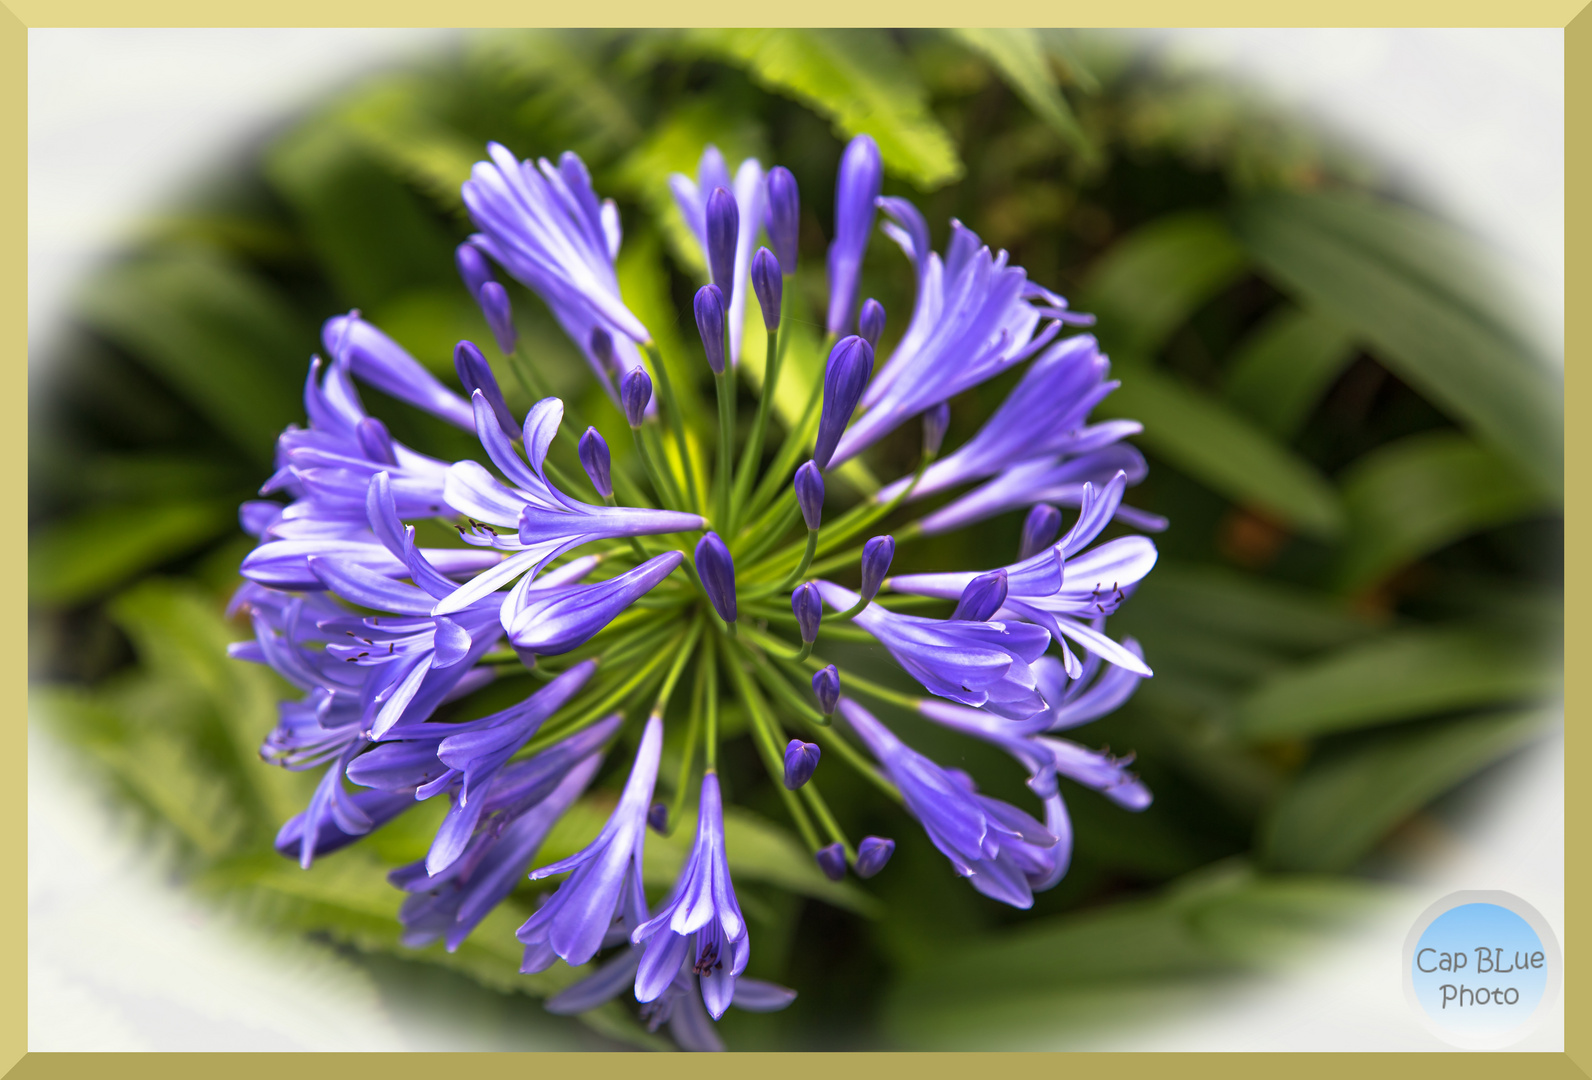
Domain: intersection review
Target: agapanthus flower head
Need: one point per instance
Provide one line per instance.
(783, 216)
(769, 286)
(857, 186)
(550, 625)
(845, 378)
(726, 226)
(377, 359)
(702, 920)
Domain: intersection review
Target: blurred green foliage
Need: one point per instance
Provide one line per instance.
(1358, 608)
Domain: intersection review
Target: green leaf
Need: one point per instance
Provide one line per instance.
(1224, 451)
(562, 83)
(1399, 676)
(1411, 288)
(221, 338)
(1409, 498)
(1281, 370)
(856, 78)
(1148, 283)
(1019, 56)
(1339, 808)
(389, 119)
(87, 555)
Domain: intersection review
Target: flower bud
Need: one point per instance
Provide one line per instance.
(768, 285)
(723, 226)
(594, 459)
(832, 861)
(717, 571)
(826, 688)
(872, 854)
(982, 598)
(635, 390)
(870, 324)
(801, 759)
(375, 441)
(476, 374)
(709, 309)
(846, 377)
(602, 348)
(494, 300)
(783, 216)
(935, 423)
(473, 268)
(1039, 530)
(810, 494)
(876, 556)
(658, 818)
(809, 609)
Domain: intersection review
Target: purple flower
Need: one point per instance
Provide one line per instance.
(1040, 529)
(870, 324)
(936, 422)
(982, 598)
(832, 861)
(547, 625)
(845, 378)
(801, 761)
(769, 286)
(826, 688)
(717, 571)
(810, 494)
(635, 393)
(595, 460)
(747, 192)
(809, 610)
(545, 226)
(473, 268)
(983, 664)
(709, 309)
(606, 882)
(857, 187)
(722, 222)
(1003, 852)
(701, 917)
(476, 374)
(379, 360)
(877, 555)
(783, 217)
(547, 522)
(499, 312)
(872, 854)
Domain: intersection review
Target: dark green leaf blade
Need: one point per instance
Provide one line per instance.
(1281, 370)
(1019, 56)
(87, 555)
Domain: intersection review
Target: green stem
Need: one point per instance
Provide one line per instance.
(801, 567)
(766, 734)
(799, 436)
(676, 423)
(767, 530)
(754, 443)
(693, 734)
(724, 384)
(666, 494)
(711, 742)
(850, 682)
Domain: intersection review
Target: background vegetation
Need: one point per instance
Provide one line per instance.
(1358, 606)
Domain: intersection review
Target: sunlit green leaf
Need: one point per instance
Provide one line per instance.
(1019, 56)
(1409, 286)
(388, 118)
(1341, 806)
(1409, 498)
(1281, 370)
(92, 552)
(857, 79)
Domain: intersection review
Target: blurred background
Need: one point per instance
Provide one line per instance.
(1327, 265)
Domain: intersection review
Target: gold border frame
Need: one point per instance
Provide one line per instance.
(20, 15)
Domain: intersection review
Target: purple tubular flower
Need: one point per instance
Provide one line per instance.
(783, 216)
(826, 688)
(371, 810)
(810, 494)
(877, 555)
(600, 344)
(981, 664)
(547, 522)
(845, 378)
(717, 571)
(693, 198)
(595, 460)
(857, 186)
(635, 392)
(809, 609)
(982, 598)
(870, 324)
(606, 882)
(801, 761)
(658, 818)
(1040, 529)
(1003, 852)
(709, 309)
(872, 854)
(722, 222)
(702, 918)
(473, 268)
(769, 287)
(975, 317)
(935, 424)
(832, 861)
(548, 625)
(476, 374)
(380, 361)
(499, 312)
